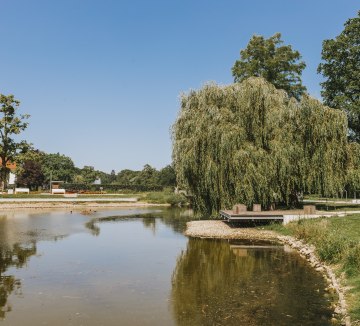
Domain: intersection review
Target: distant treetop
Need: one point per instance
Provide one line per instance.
(341, 69)
(268, 58)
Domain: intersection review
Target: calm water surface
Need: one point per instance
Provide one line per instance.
(134, 267)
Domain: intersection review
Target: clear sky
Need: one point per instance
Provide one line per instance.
(101, 78)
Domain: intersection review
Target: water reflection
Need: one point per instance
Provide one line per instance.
(174, 218)
(128, 274)
(217, 283)
(17, 256)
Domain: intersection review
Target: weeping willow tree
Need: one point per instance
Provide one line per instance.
(249, 143)
(353, 168)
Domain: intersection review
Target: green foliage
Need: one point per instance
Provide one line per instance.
(112, 176)
(58, 167)
(32, 175)
(127, 177)
(87, 175)
(11, 124)
(353, 168)
(165, 197)
(148, 176)
(341, 68)
(320, 136)
(275, 62)
(166, 177)
(248, 143)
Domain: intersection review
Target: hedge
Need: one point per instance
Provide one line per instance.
(110, 187)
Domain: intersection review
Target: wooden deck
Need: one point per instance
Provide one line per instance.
(229, 215)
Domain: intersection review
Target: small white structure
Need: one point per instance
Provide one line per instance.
(97, 181)
(57, 191)
(22, 190)
(12, 178)
(55, 187)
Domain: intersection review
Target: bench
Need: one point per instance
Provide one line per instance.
(57, 191)
(23, 190)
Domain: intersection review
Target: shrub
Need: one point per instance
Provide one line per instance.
(352, 259)
(165, 197)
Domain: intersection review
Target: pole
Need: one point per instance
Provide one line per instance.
(50, 182)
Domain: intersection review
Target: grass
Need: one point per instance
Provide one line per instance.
(164, 197)
(337, 242)
(338, 207)
(315, 197)
(48, 196)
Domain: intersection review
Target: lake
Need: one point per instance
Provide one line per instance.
(135, 267)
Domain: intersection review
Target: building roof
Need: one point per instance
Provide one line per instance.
(9, 165)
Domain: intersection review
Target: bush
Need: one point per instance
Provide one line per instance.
(165, 197)
(352, 260)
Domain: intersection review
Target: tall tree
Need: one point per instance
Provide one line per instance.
(248, 143)
(32, 175)
(148, 175)
(89, 174)
(268, 58)
(11, 124)
(58, 167)
(341, 69)
(112, 177)
(127, 177)
(166, 177)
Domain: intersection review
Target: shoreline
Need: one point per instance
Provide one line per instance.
(74, 205)
(215, 229)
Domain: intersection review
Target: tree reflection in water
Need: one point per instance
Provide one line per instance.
(175, 218)
(214, 284)
(17, 256)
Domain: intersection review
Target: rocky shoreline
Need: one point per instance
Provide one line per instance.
(221, 230)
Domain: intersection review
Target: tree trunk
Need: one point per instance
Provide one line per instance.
(4, 174)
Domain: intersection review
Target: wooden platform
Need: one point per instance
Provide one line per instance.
(259, 216)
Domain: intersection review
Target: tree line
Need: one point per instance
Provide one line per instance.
(36, 168)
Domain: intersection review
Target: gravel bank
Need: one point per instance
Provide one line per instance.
(221, 230)
(74, 205)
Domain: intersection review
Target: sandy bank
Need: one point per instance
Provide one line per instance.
(221, 230)
(74, 205)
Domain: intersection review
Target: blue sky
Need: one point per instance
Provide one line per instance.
(101, 78)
